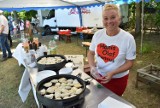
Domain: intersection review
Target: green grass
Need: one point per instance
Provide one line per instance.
(147, 48)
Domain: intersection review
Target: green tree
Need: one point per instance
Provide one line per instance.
(30, 14)
(22, 15)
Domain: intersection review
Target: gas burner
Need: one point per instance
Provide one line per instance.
(74, 104)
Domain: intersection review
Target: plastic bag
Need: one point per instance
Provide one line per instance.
(94, 73)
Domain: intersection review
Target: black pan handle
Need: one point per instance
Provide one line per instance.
(87, 82)
(74, 68)
(67, 61)
(79, 75)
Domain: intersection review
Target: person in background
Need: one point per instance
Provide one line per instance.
(29, 28)
(10, 19)
(10, 38)
(18, 28)
(21, 27)
(3, 37)
(94, 29)
(10, 32)
(114, 50)
(14, 28)
(35, 24)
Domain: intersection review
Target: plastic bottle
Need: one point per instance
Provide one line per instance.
(52, 47)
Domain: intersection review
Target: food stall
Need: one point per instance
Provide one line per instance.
(94, 95)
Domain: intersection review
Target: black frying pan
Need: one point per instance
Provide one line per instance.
(55, 67)
(52, 103)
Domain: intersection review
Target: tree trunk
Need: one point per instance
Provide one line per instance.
(15, 17)
(134, 12)
(138, 19)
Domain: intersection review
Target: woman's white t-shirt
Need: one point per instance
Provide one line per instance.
(112, 51)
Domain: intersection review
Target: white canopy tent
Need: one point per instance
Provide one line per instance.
(45, 3)
(13, 4)
(18, 5)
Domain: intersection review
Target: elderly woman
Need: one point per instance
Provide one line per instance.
(114, 50)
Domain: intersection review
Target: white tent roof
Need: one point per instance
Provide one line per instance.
(57, 3)
(45, 3)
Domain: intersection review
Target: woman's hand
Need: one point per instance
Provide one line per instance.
(126, 66)
(106, 78)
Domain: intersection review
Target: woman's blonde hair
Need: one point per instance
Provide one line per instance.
(110, 7)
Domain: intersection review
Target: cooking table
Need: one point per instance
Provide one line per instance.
(26, 83)
(93, 94)
(20, 55)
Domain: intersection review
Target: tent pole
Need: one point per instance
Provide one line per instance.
(80, 15)
(142, 31)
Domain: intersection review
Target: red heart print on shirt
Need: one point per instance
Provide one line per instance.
(107, 53)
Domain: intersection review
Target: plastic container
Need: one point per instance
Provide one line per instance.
(52, 47)
(94, 73)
